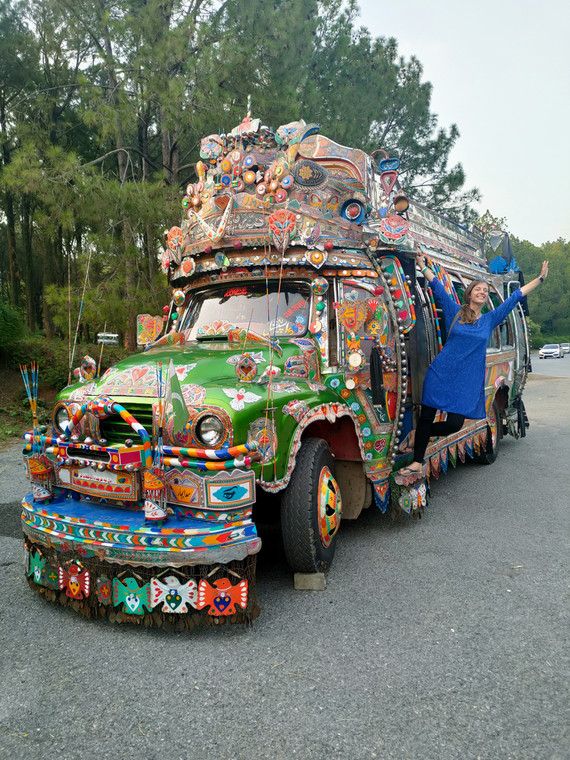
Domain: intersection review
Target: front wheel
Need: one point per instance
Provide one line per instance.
(311, 509)
(490, 454)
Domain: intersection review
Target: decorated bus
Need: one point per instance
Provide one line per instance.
(288, 366)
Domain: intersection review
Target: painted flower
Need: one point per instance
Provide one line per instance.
(335, 382)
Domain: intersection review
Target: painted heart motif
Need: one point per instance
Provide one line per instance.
(132, 602)
(397, 293)
(173, 600)
(138, 373)
(380, 445)
(388, 180)
(221, 603)
(403, 314)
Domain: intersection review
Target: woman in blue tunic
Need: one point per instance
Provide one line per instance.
(455, 380)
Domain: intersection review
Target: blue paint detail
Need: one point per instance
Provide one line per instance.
(230, 493)
(389, 165)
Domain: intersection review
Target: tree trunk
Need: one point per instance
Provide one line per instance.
(14, 277)
(30, 269)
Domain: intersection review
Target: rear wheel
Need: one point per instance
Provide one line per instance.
(493, 435)
(311, 509)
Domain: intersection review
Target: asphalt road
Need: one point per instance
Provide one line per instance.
(439, 639)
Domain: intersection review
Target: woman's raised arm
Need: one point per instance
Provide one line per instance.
(526, 289)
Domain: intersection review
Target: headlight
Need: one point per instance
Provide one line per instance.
(60, 419)
(210, 430)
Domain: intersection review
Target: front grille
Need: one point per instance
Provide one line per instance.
(116, 431)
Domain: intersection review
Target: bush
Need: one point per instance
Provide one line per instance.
(52, 357)
(11, 327)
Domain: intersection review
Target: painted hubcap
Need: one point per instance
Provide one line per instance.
(330, 506)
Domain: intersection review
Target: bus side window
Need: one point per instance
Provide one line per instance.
(505, 329)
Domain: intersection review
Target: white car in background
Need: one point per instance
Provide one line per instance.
(551, 351)
(565, 347)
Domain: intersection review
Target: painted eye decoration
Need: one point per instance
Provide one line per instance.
(354, 211)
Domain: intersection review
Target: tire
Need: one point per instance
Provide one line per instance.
(493, 436)
(311, 510)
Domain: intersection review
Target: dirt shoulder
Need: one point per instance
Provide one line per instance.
(15, 415)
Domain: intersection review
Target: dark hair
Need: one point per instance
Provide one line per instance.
(466, 313)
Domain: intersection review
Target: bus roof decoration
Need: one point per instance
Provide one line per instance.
(265, 194)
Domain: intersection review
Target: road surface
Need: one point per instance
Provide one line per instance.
(439, 639)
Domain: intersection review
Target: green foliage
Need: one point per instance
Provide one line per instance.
(101, 119)
(549, 304)
(11, 327)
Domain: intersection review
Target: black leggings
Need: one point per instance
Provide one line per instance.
(427, 429)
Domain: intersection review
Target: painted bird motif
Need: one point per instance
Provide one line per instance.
(222, 596)
(133, 597)
(174, 594)
(75, 580)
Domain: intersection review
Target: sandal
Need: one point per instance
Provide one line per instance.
(407, 445)
(408, 472)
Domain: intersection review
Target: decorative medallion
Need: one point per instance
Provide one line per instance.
(103, 590)
(317, 258)
(246, 368)
(309, 174)
(320, 286)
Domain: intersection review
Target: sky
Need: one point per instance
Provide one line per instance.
(500, 70)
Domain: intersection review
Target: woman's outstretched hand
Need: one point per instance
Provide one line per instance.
(420, 259)
(544, 270)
